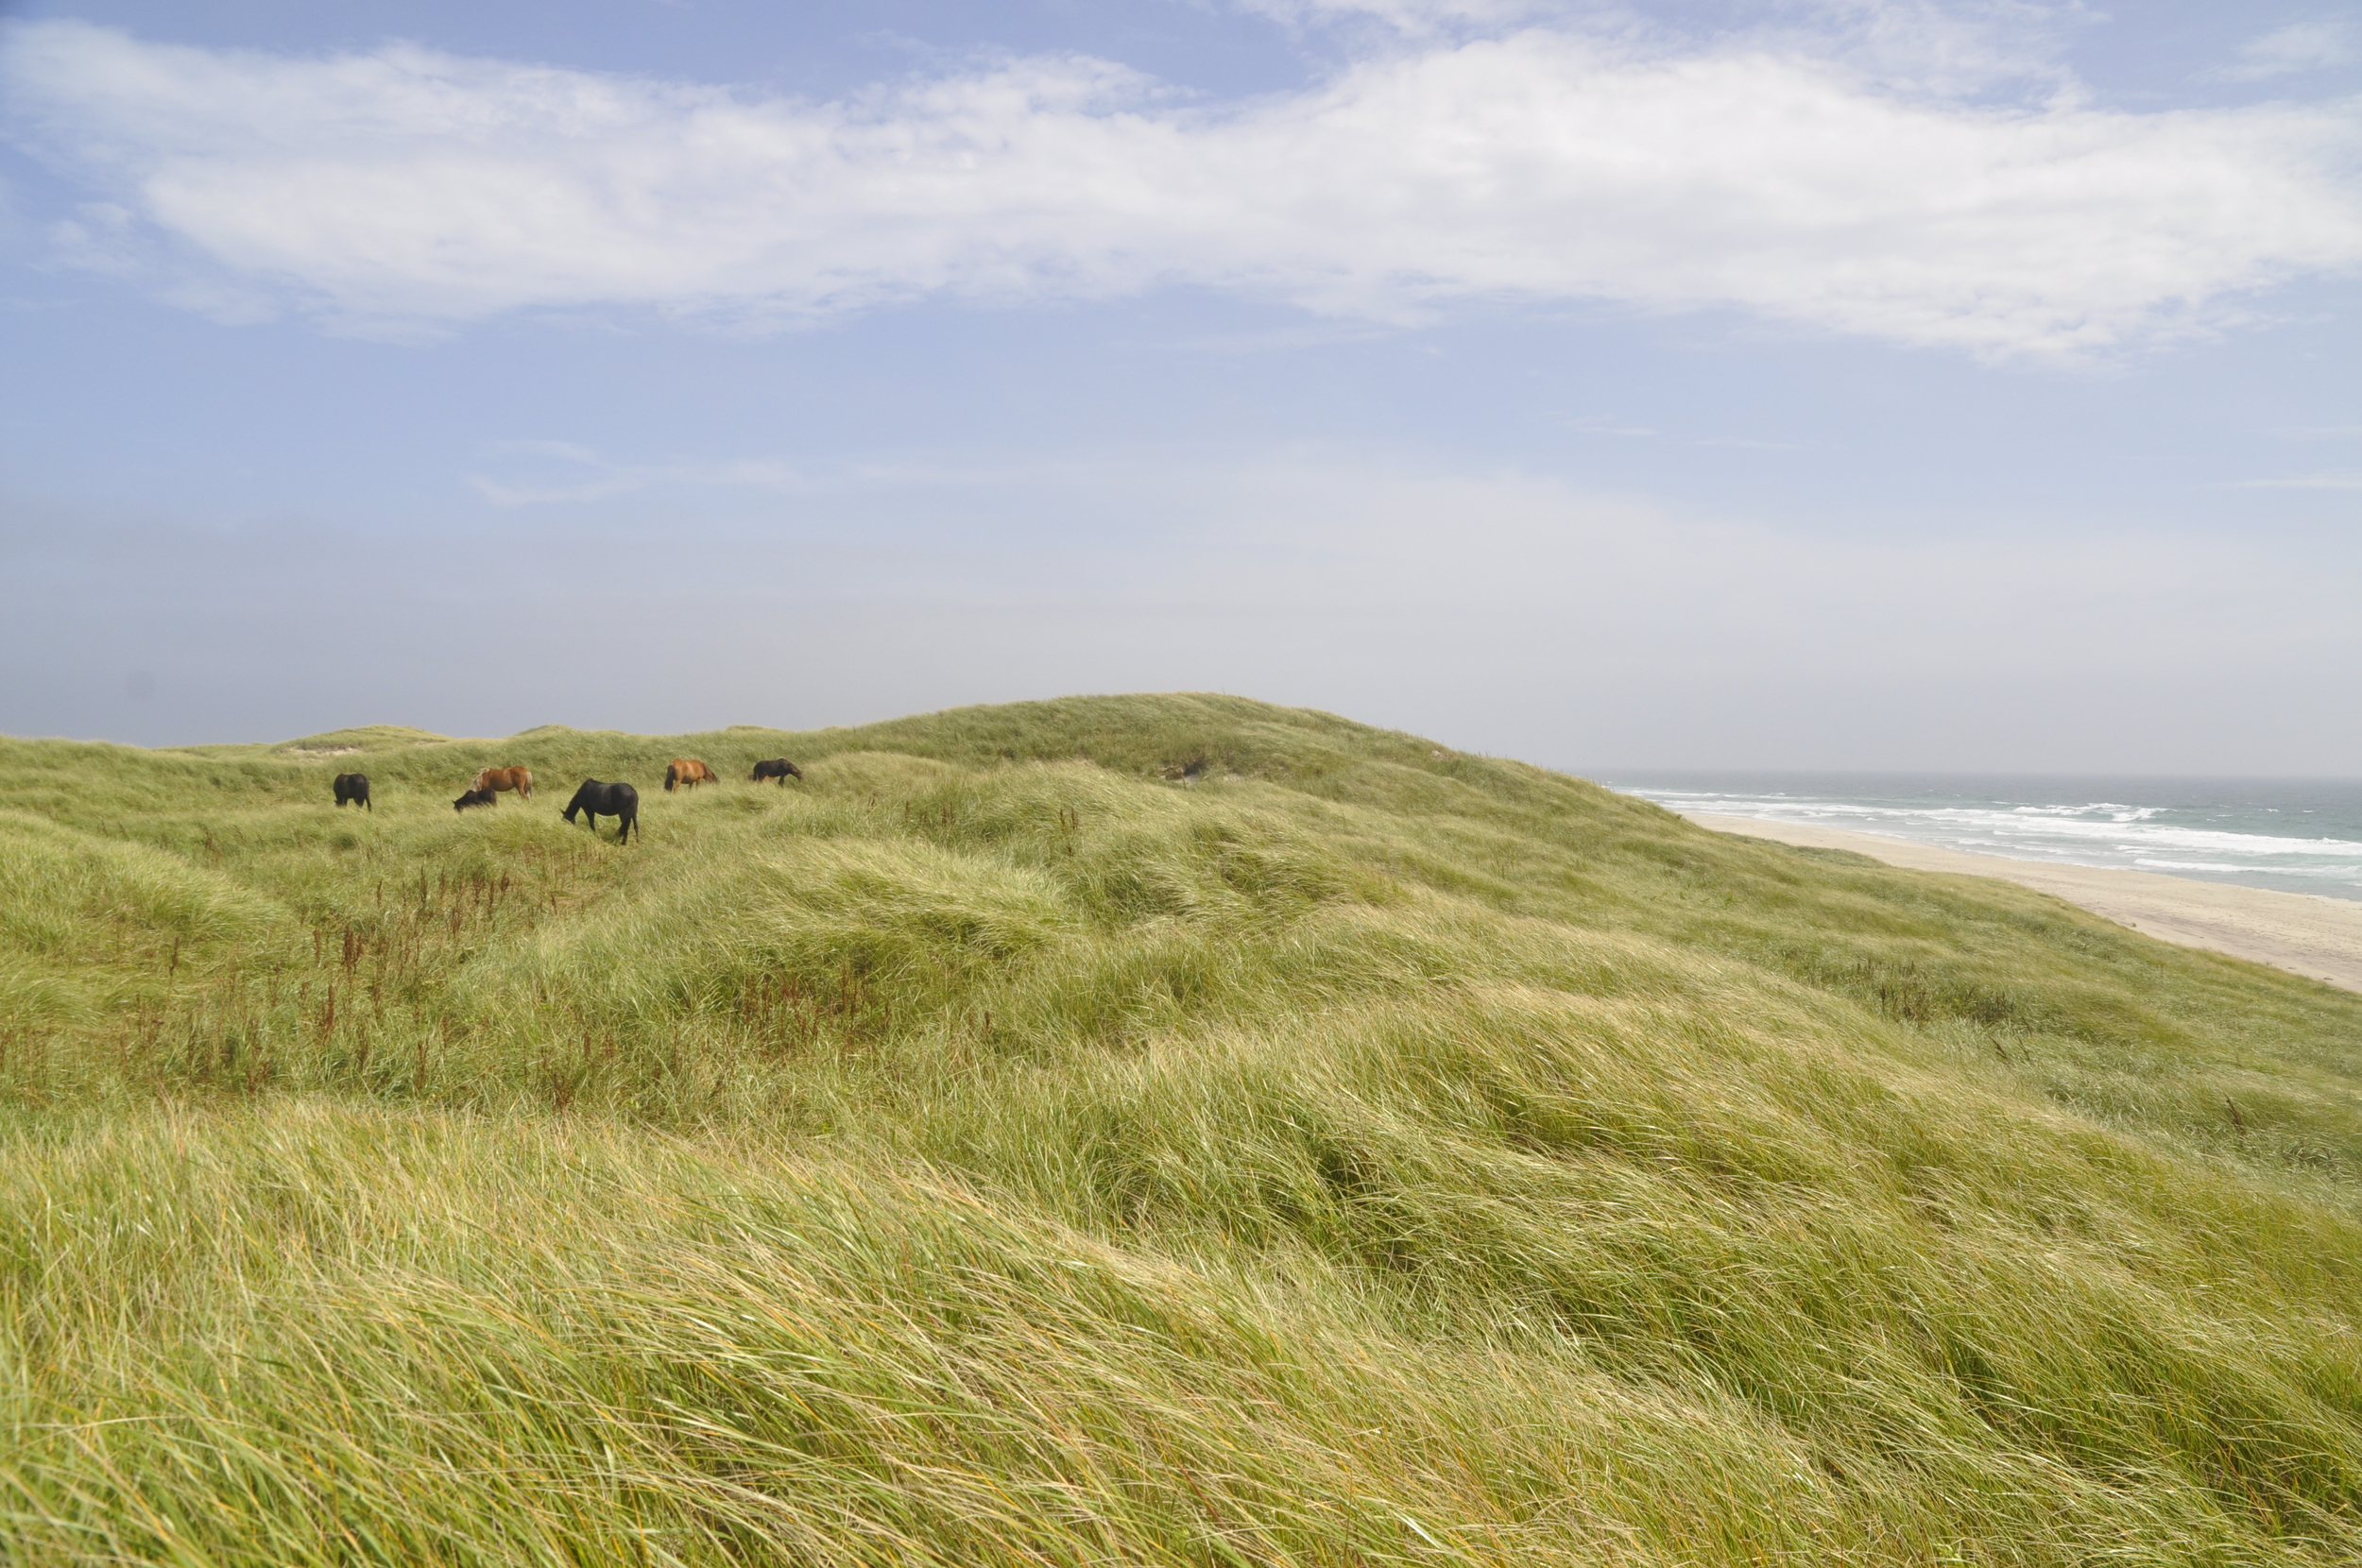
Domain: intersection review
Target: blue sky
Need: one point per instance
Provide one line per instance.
(1829, 383)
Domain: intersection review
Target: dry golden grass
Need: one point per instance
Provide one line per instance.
(1163, 1129)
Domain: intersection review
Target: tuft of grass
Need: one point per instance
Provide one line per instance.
(1162, 1130)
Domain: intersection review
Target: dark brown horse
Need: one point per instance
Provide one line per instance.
(353, 786)
(779, 768)
(596, 800)
(475, 797)
(497, 779)
(687, 770)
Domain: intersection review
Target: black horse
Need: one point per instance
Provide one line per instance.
(595, 800)
(779, 768)
(353, 786)
(475, 797)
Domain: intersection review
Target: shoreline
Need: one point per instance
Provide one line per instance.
(2306, 934)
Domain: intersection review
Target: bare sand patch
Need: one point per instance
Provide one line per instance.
(2318, 938)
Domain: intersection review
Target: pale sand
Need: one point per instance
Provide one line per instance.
(2318, 938)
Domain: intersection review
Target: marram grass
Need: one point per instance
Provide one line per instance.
(1158, 1130)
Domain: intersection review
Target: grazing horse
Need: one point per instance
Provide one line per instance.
(595, 800)
(475, 797)
(687, 770)
(779, 768)
(353, 786)
(497, 779)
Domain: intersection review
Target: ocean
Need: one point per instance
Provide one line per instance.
(2294, 835)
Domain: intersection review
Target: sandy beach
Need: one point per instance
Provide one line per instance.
(2318, 938)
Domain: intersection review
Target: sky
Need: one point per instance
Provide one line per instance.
(1805, 383)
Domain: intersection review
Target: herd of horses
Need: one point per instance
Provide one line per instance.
(594, 799)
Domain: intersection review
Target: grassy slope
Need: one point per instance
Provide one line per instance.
(1142, 1129)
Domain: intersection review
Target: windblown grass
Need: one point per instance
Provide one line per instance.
(1162, 1130)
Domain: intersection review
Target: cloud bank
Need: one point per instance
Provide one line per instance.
(1512, 613)
(403, 189)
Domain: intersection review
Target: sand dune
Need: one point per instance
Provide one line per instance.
(2318, 938)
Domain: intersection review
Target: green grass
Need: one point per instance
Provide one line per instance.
(1147, 1130)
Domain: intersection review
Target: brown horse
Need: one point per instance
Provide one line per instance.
(687, 770)
(497, 779)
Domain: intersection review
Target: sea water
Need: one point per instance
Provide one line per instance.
(2295, 835)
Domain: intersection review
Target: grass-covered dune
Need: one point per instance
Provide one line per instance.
(1147, 1130)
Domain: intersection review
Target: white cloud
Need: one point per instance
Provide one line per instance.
(1413, 18)
(1941, 48)
(2299, 47)
(411, 188)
